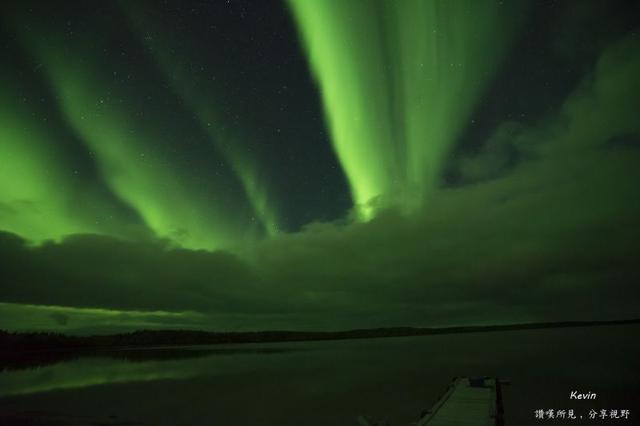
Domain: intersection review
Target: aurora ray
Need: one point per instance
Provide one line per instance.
(41, 187)
(30, 174)
(399, 80)
(202, 95)
(138, 169)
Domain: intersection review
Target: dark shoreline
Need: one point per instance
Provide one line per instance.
(34, 350)
(13, 343)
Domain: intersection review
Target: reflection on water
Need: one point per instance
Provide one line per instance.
(327, 383)
(62, 370)
(38, 359)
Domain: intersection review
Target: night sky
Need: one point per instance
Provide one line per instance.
(330, 164)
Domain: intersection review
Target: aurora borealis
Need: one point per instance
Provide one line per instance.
(317, 164)
(399, 81)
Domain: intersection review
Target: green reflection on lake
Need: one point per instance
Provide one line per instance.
(331, 383)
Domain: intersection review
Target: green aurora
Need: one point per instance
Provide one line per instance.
(399, 80)
(135, 168)
(201, 100)
(317, 164)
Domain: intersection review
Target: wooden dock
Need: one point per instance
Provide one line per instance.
(467, 402)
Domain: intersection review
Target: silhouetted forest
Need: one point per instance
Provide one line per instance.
(42, 341)
(32, 350)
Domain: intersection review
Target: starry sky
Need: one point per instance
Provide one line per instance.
(317, 165)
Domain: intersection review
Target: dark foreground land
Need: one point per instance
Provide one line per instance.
(19, 350)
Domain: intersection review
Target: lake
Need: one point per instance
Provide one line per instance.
(330, 382)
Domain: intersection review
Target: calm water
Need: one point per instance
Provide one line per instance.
(330, 383)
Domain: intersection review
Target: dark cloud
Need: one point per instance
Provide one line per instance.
(99, 271)
(60, 318)
(498, 156)
(628, 141)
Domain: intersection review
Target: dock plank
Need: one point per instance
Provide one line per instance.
(464, 405)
